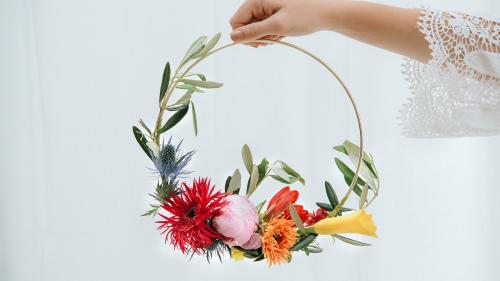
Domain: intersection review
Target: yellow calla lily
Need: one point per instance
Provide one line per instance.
(358, 222)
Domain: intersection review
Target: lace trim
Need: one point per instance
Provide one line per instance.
(446, 89)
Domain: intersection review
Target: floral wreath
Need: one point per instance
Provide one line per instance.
(199, 219)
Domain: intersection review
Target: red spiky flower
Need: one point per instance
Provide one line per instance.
(188, 227)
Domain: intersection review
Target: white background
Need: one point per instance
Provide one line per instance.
(76, 75)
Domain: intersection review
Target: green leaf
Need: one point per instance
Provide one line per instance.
(348, 173)
(362, 197)
(189, 88)
(325, 206)
(202, 84)
(330, 193)
(262, 170)
(353, 152)
(252, 186)
(247, 158)
(165, 81)
(194, 49)
(181, 102)
(329, 208)
(259, 206)
(235, 183)
(209, 46)
(281, 173)
(314, 249)
(280, 179)
(304, 242)
(195, 121)
(145, 126)
(351, 241)
(296, 218)
(292, 172)
(141, 139)
(172, 121)
(200, 75)
(226, 184)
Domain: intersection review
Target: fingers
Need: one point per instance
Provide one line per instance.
(255, 30)
(243, 15)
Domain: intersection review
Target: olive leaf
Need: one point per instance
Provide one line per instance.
(362, 197)
(304, 242)
(209, 46)
(172, 121)
(247, 158)
(181, 102)
(195, 48)
(259, 206)
(351, 241)
(332, 196)
(202, 84)
(262, 167)
(296, 218)
(165, 81)
(195, 121)
(142, 140)
(254, 177)
(353, 153)
(235, 183)
(192, 88)
(292, 172)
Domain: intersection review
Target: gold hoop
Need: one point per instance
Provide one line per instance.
(325, 65)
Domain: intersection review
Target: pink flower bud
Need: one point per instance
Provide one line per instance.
(238, 220)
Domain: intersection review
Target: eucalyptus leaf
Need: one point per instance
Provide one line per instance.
(195, 121)
(254, 178)
(247, 158)
(142, 140)
(351, 241)
(235, 183)
(304, 242)
(172, 121)
(165, 81)
(202, 84)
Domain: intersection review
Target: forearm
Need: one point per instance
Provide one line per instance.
(391, 28)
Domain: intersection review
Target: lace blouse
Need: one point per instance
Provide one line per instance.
(457, 93)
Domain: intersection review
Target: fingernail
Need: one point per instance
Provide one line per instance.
(237, 35)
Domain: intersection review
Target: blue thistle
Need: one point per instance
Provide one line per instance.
(171, 161)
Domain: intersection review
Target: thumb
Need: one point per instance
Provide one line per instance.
(254, 30)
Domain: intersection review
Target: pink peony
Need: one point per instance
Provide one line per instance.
(238, 221)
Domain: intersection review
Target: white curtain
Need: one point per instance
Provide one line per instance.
(76, 75)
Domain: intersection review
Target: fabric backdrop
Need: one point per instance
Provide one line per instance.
(76, 75)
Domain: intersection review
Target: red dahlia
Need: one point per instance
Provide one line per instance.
(188, 227)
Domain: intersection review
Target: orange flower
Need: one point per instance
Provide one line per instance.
(280, 201)
(278, 237)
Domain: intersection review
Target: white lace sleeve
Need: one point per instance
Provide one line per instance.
(457, 93)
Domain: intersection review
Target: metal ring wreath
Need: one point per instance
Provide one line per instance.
(198, 218)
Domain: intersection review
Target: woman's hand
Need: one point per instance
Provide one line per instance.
(391, 28)
(274, 19)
